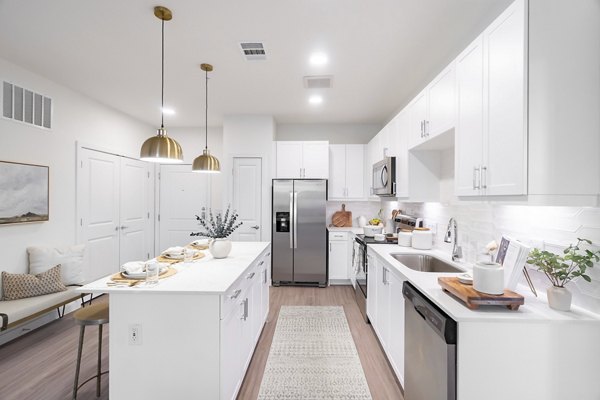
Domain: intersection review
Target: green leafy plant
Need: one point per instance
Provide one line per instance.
(561, 269)
(218, 227)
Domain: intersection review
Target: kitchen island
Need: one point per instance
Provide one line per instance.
(193, 334)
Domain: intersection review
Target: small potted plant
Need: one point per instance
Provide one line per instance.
(218, 229)
(561, 269)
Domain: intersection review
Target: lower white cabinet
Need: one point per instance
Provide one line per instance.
(244, 311)
(386, 311)
(352, 258)
(338, 258)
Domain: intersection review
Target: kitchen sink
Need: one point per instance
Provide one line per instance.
(425, 263)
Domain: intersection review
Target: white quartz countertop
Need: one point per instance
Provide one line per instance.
(205, 276)
(354, 229)
(534, 309)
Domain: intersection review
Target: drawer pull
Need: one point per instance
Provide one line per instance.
(235, 294)
(251, 275)
(261, 263)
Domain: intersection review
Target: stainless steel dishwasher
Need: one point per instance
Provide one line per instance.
(429, 349)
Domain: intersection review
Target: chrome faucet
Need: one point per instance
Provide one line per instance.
(452, 237)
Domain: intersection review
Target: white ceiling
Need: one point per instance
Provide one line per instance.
(381, 53)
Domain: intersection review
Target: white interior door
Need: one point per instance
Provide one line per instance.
(183, 194)
(247, 199)
(98, 198)
(135, 228)
(114, 211)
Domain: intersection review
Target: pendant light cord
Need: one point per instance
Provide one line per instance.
(162, 79)
(206, 114)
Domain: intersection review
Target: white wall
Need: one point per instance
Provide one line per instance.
(75, 118)
(334, 133)
(192, 143)
(250, 136)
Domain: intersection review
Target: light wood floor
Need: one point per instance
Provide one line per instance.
(378, 372)
(41, 364)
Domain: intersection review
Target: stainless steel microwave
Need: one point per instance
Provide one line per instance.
(384, 177)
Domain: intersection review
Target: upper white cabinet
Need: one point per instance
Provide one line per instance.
(303, 160)
(432, 112)
(346, 172)
(491, 134)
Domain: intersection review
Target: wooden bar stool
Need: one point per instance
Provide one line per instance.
(96, 314)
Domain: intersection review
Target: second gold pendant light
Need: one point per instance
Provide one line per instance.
(206, 163)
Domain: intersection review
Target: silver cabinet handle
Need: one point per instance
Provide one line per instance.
(255, 227)
(261, 263)
(265, 276)
(245, 309)
(421, 128)
(242, 304)
(124, 227)
(250, 275)
(476, 177)
(330, 247)
(235, 294)
(484, 177)
(117, 228)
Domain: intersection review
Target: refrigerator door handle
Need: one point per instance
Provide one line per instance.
(295, 219)
(292, 218)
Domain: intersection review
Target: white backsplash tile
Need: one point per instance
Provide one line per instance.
(367, 208)
(551, 228)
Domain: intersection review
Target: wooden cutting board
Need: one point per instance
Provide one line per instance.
(342, 218)
(473, 299)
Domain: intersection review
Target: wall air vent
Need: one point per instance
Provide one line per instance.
(318, 82)
(26, 106)
(253, 51)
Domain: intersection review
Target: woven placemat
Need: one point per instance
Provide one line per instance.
(198, 246)
(168, 260)
(120, 278)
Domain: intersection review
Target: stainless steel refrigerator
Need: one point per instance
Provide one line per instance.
(299, 232)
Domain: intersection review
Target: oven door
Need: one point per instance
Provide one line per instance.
(361, 269)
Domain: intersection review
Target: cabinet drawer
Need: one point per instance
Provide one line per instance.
(233, 299)
(338, 236)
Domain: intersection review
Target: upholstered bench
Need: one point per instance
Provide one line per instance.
(17, 312)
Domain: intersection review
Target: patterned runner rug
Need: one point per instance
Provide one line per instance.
(313, 357)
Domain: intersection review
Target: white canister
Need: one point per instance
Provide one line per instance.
(362, 221)
(422, 239)
(488, 277)
(405, 238)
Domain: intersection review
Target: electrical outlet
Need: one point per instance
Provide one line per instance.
(432, 227)
(135, 334)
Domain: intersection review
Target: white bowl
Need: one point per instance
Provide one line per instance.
(372, 230)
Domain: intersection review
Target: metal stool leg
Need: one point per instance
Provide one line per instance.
(99, 360)
(79, 350)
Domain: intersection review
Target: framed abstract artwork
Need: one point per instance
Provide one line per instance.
(24, 192)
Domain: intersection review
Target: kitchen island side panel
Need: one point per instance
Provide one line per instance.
(524, 361)
(176, 357)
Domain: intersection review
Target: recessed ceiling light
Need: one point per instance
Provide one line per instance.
(315, 99)
(168, 111)
(318, 59)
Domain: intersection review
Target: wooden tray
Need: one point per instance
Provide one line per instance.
(342, 218)
(473, 299)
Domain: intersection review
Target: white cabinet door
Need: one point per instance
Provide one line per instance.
(352, 258)
(505, 171)
(264, 283)
(231, 352)
(372, 279)
(383, 304)
(255, 303)
(289, 160)
(315, 160)
(355, 175)
(395, 346)
(399, 138)
(442, 100)
(469, 124)
(337, 171)
(338, 260)
(418, 115)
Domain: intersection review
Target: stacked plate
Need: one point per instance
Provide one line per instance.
(176, 253)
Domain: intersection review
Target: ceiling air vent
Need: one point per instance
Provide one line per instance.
(26, 106)
(253, 51)
(318, 82)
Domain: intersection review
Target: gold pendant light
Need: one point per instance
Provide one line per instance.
(161, 148)
(206, 162)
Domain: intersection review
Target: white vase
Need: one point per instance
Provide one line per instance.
(220, 247)
(559, 298)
